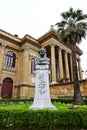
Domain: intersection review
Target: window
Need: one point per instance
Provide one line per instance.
(33, 66)
(10, 59)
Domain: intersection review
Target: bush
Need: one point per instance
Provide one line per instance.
(43, 119)
(14, 101)
(25, 101)
(63, 100)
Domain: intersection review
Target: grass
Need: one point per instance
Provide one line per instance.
(15, 107)
(60, 107)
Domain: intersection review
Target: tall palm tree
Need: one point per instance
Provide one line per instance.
(72, 29)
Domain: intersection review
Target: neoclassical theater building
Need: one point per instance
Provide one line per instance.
(17, 66)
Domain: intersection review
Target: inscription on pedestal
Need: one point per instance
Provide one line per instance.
(41, 84)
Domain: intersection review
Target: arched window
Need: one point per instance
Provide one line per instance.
(10, 59)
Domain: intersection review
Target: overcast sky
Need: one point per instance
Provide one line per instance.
(34, 17)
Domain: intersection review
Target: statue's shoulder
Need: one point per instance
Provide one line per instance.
(43, 60)
(47, 59)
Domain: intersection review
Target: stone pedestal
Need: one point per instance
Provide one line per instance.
(42, 94)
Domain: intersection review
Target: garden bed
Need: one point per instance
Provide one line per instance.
(19, 116)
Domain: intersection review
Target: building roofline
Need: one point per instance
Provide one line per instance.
(30, 39)
(52, 33)
(10, 35)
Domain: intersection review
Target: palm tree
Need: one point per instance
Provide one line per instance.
(72, 29)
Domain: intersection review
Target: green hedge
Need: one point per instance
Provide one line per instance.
(15, 101)
(43, 119)
(25, 101)
(63, 100)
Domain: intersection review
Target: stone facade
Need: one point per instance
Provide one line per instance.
(66, 89)
(63, 89)
(17, 62)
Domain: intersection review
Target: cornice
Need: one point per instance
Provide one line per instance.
(30, 40)
(9, 37)
(52, 33)
(48, 35)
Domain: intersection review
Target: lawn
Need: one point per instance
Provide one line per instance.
(60, 107)
(19, 116)
(15, 107)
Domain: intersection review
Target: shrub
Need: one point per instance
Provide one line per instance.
(43, 119)
(25, 101)
(14, 101)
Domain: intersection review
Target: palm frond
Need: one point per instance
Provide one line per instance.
(72, 27)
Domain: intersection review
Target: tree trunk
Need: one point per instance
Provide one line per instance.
(77, 95)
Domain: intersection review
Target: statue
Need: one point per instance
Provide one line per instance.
(42, 60)
(42, 93)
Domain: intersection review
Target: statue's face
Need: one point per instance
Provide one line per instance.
(42, 52)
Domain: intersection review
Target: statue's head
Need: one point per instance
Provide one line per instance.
(42, 52)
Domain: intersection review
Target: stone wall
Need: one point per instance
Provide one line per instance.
(62, 90)
(56, 90)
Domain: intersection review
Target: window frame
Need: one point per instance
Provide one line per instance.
(10, 59)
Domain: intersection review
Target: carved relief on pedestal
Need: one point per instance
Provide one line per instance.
(41, 84)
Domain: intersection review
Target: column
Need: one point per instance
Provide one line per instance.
(71, 68)
(19, 67)
(26, 65)
(53, 64)
(66, 65)
(79, 69)
(2, 54)
(60, 63)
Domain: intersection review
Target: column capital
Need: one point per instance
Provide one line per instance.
(59, 48)
(26, 48)
(65, 52)
(20, 51)
(3, 45)
(52, 44)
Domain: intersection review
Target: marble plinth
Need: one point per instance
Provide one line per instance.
(42, 94)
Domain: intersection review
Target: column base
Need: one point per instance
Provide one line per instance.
(53, 82)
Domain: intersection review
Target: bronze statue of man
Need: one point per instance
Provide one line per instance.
(42, 60)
